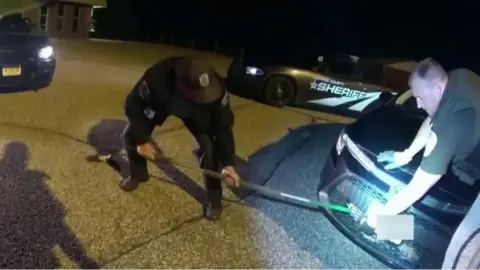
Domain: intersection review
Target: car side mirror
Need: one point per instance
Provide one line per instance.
(385, 97)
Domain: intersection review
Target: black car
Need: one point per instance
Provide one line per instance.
(337, 83)
(27, 57)
(353, 177)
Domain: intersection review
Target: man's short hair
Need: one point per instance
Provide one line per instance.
(429, 70)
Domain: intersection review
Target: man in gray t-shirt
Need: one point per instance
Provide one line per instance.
(449, 135)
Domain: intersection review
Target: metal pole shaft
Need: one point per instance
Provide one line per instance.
(259, 188)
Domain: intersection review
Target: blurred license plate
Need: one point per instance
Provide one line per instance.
(11, 71)
(374, 207)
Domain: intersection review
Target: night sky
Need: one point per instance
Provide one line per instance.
(448, 31)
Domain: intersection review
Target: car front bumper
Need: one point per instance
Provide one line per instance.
(34, 74)
(339, 184)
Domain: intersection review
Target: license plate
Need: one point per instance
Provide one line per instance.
(11, 71)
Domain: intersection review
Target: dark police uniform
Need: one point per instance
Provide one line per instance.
(455, 140)
(156, 96)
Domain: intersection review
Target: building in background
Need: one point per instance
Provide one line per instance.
(65, 19)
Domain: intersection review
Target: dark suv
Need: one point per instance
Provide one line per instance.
(27, 57)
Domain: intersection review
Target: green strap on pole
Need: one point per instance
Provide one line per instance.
(315, 203)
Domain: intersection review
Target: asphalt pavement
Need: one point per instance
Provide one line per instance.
(58, 210)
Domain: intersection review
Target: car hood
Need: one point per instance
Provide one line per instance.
(10, 41)
(387, 128)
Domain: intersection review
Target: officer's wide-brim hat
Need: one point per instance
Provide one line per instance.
(197, 81)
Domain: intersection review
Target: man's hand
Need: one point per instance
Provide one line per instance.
(230, 176)
(374, 210)
(394, 159)
(368, 223)
(147, 151)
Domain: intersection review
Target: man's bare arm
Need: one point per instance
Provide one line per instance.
(442, 141)
(421, 182)
(420, 139)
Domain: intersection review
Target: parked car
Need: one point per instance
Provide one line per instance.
(352, 176)
(27, 57)
(342, 84)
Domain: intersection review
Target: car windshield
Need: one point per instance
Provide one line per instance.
(14, 24)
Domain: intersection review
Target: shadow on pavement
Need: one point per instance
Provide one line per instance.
(15, 90)
(106, 138)
(31, 218)
(293, 165)
(268, 160)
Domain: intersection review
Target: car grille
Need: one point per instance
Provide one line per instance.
(15, 56)
(430, 241)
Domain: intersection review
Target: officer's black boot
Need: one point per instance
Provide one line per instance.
(132, 182)
(212, 208)
(138, 172)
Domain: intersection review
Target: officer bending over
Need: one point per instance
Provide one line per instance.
(449, 135)
(191, 90)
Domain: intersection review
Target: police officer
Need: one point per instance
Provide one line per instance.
(191, 90)
(449, 135)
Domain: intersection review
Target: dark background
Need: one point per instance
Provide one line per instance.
(447, 31)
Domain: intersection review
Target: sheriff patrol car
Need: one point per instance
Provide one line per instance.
(342, 84)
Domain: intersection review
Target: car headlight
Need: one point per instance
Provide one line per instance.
(45, 53)
(254, 71)
(357, 153)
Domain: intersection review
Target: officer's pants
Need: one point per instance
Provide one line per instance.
(464, 249)
(209, 160)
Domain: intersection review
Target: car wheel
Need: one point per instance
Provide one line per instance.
(279, 91)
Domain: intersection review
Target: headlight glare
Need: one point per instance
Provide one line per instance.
(45, 53)
(340, 143)
(253, 71)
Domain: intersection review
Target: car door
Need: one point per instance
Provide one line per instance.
(339, 88)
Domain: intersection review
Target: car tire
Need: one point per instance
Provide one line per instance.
(279, 91)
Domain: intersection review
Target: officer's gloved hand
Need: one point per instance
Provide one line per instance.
(394, 159)
(147, 151)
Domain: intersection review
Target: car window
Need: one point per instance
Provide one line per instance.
(341, 68)
(320, 67)
(371, 74)
(14, 23)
